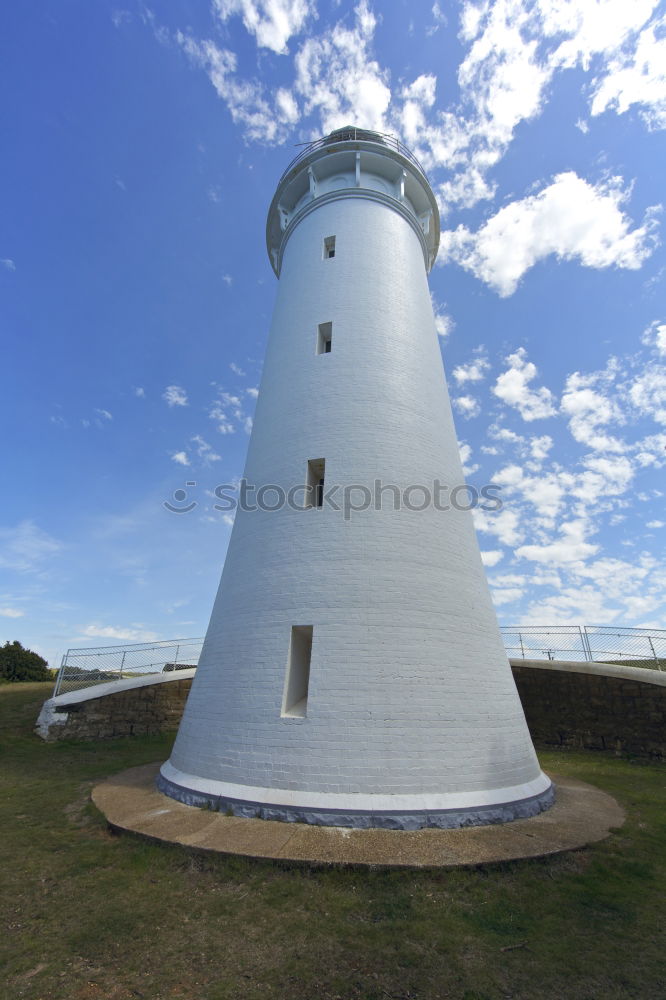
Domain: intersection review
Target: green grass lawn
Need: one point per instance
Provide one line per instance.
(87, 914)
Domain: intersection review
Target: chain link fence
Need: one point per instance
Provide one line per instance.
(83, 668)
(636, 647)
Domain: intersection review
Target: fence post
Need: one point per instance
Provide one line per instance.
(656, 658)
(58, 682)
(122, 663)
(522, 648)
(587, 648)
(175, 659)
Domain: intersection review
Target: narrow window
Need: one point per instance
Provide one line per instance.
(324, 338)
(329, 247)
(296, 683)
(315, 482)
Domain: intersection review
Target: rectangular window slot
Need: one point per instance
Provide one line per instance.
(324, 338)
(297, 681)
(329, 247)
(315, 482)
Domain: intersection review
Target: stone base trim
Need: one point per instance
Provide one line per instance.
(482, 814)
(581, 815)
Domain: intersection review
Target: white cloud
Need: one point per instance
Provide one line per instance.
(506, 595)
(104, 414)
(467, 406)
(569, 548)
(655, 336)
(236, 369)
(636, 76)
(465, 458)
(540, 446)
(245, 99)
(253, 392)
(444, 324)
(180, 457)
(204, 450)
(570, 218)
(656, 524)
(136, 633)
(8, 263)
(648, 393)
(25, 547)
(139, 392)
(505, 525)
(272, 22)
(490, 557)
(339, 80)
(473, 371)
(175, 396)
(590, 403)
(513, 388)
(11, 613)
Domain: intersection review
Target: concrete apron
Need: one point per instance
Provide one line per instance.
(582, 815)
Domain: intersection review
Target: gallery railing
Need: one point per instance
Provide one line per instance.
(637, 647)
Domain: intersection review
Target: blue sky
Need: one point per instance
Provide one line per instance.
(142, 148)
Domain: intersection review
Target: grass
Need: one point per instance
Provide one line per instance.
(87, 914)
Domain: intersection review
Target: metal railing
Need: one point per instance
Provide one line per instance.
(638, 647)
(84, 668)
(352, 135)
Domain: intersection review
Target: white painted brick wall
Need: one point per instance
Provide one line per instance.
(410, 689)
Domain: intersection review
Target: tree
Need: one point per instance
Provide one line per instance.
(20, 664)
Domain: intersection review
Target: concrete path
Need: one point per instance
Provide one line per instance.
(581, 815)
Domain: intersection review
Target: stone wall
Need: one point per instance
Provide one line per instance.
(141, 710)
(594, 706)
(587, 706)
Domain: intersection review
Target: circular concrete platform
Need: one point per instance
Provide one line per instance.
(582, 814)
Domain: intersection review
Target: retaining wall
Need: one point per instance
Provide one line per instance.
(134, 707)
(590, 706)
(593, 706)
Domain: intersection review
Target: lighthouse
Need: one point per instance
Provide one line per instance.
(353, 672)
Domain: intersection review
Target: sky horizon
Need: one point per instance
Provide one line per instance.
(136, 293)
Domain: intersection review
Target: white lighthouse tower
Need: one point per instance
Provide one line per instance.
(353, 672)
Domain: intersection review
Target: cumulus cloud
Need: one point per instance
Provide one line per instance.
(473, 371)
(570, 547)
(466, 458)
(11, 613)
(467, 406)
(249, 107)
(636, 76)
(588, 401)
(8, 263)
(513, 388)
(505, 525)
(272, 22)
(338, 79)
(180, 458)
(204, 450)
(570, 219)
(648, 393)
(511, 53)
(174, 395)
(655, 336)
